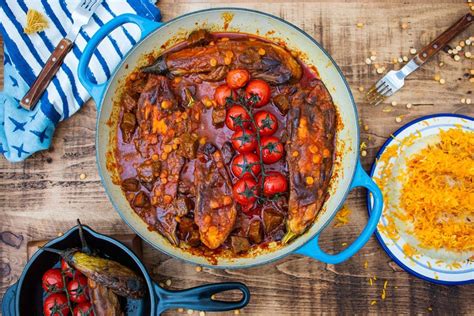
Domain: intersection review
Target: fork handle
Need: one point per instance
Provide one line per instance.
(51, 67)
(438, 43)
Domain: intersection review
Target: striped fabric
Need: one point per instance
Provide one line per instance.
(24, 132)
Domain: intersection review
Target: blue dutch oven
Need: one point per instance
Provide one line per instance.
(347, 175)
(26, 296)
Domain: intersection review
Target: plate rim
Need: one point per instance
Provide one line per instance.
(369, 204)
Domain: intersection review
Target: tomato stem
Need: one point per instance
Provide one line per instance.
(247, 103)
(69, 302)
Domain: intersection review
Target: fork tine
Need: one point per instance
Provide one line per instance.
(372, 97)
(380, 83)
(384, 90)
(377, 100)
(372, 92)
(376, 93)
(375, 88)
(91, 4)
(88, 5)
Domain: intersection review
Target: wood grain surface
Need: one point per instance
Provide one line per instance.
(44, 195)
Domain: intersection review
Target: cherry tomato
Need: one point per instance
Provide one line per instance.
(244, 141)
(247, 164)
(67, 270)
(52, 281)
(237, 78)
(246, 208)
(258, 88)
(83, 309)
(78, 290)
(266, 122)
(274, 183)
(236, 117)
(245, 191)
(272, 149)
(222, 93)
(56, 305)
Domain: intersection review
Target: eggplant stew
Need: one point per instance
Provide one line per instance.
(225, 144)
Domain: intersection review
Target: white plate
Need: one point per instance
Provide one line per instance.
(428, 265)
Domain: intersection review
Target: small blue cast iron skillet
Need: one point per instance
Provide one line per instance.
(26, 296)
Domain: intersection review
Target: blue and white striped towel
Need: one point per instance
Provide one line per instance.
(24, 132)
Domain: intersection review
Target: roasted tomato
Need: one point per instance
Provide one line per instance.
(266, 122)
(259, 89)
(52, 281)
(222, 93)
(237, 117)
(272, 149)
(245, 191)
(244, 141)
(274, 183)
(83, 309)
(237, 78)
(78, 290)
(56, 305)
(247, 164)
(67, 270)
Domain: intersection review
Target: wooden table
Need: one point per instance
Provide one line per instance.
(44, 195)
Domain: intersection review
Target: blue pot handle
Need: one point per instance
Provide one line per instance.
(312, 249)
(8, 301)
(199, 298)
(97, 90)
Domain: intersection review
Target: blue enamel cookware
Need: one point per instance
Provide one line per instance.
(347, 174)
(26, 296)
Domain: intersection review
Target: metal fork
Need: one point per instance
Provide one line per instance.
(80, 17)
(395, 79)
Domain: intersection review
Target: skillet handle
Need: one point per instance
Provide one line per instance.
(199, 298)
(8, 301)
(97, 90)
(312, 249)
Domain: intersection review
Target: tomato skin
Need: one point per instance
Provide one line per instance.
(272, 149)
(261, 89)
(245, 191)
(245, 165)
(52, 281)
(67, 270)
(274, 183)
(247, 208)
(222, 93)
(244, 141)
(83, 309)
(267, 123)
(234, 114)
(78, 289)
(237, 78)
(56, 305)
